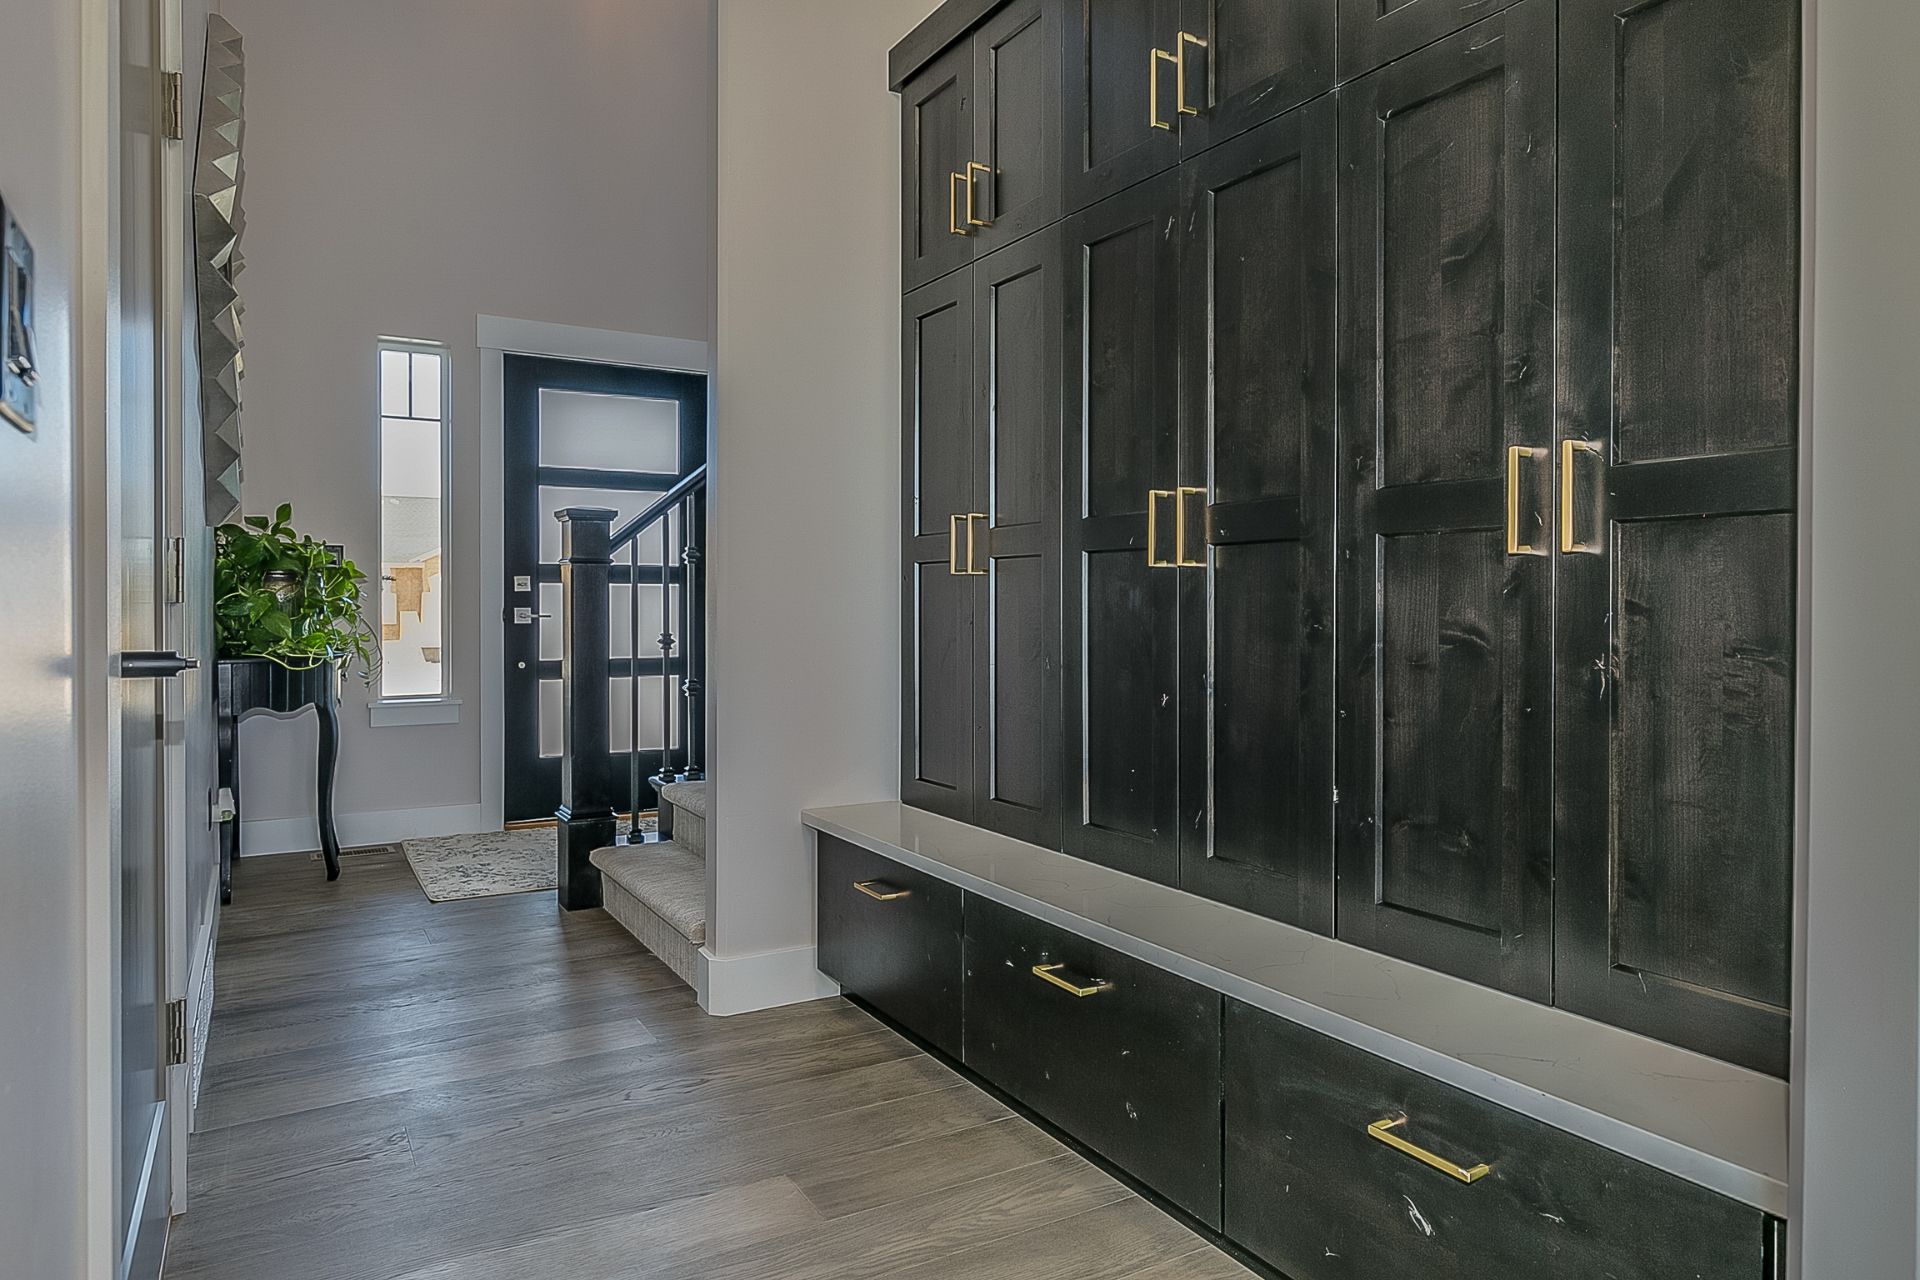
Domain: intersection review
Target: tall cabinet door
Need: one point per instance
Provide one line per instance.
(1249, 61)
(1117, 557)
(1016, 123)
(1679, 358)
(1446, 296)
(1257, 393)
(1120, 120)
(936, 141)
(1016, 664)
(940, 559)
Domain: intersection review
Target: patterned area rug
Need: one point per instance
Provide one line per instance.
(488, 864)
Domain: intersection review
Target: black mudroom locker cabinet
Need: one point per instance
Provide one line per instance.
(1350, 474)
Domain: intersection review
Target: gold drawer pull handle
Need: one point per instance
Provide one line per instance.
(1180, 557)
(881, 891)
(1383, 1130)
(1570, 545)
(973, 569)
(1515, 547)
(973, 218)
(1186, 41)
(955, 181)
(1154, 59)
(1153, 528)
(1072, 984)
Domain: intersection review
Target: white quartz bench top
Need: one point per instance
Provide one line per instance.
(1707, 1121)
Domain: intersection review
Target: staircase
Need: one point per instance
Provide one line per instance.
(658, 890)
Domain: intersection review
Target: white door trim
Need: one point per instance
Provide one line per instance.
(496, 336)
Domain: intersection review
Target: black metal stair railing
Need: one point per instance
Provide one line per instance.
(590, 800)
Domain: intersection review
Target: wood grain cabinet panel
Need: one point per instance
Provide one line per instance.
(938, 448)
(1122, 625)
(1679, 318)
(1257, 440)
(1375, 32)
(1311, 1191)
(1261, 59)
(1110, 86)
(1445, 839)
(1016, 658)
(892, 936)
(1132, 1070)
(1016, 121)
(936, 140)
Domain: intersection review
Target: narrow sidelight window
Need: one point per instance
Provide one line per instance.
(414, 381)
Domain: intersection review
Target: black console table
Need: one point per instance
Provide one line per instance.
(247, 687)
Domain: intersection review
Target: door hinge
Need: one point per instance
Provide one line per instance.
(173, 115)
(176, 570)
(176, 1033)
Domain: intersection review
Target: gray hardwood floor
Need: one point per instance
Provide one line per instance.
(495, 1090)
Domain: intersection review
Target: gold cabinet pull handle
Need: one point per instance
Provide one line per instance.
(973, 217)
(1515, 547)
(974, 568)
(1154, 59)
(954, 182)
(1180, 557)
(1186, 40)
(1383, 1131)
(1153, 529)
(881, 891)
(1569, 449)
(953, 547)
(1071, 983)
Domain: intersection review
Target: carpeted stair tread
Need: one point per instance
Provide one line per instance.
(686, 797)
(669, 880)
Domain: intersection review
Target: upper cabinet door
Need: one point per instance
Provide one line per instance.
(1016, 663)
(1375, 32)
(940, 557)
(1119, 89)
(1118, 557)
(936, 139)
(1015, 178)
(1257, 393)
(1680, 306)
(1249, 61)
(1446, 303)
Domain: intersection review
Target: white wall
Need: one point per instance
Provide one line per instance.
(42, 885)
(409, 168)
(1860, 1021)
(805, 515)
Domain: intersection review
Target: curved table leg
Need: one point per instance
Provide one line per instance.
(327, 708)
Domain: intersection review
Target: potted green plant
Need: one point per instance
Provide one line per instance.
(290, 598)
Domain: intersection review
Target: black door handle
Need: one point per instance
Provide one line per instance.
(145, 665)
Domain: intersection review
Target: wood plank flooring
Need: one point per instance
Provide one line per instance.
(497, 1090)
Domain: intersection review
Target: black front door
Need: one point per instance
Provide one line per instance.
(587, 435)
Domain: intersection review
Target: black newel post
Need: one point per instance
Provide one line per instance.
(587, 776)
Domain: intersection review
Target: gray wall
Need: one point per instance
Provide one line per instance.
(806, 531)
(41, 870)
(1860, 1023)
(410, 167)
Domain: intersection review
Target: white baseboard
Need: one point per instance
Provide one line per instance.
(763, 980)
(262, 836)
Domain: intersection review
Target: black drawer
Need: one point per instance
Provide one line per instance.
(1130, 1066)
(891, 935)
(1317, 1193)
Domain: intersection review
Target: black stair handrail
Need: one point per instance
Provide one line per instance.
(590, 802)
(695, 479)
